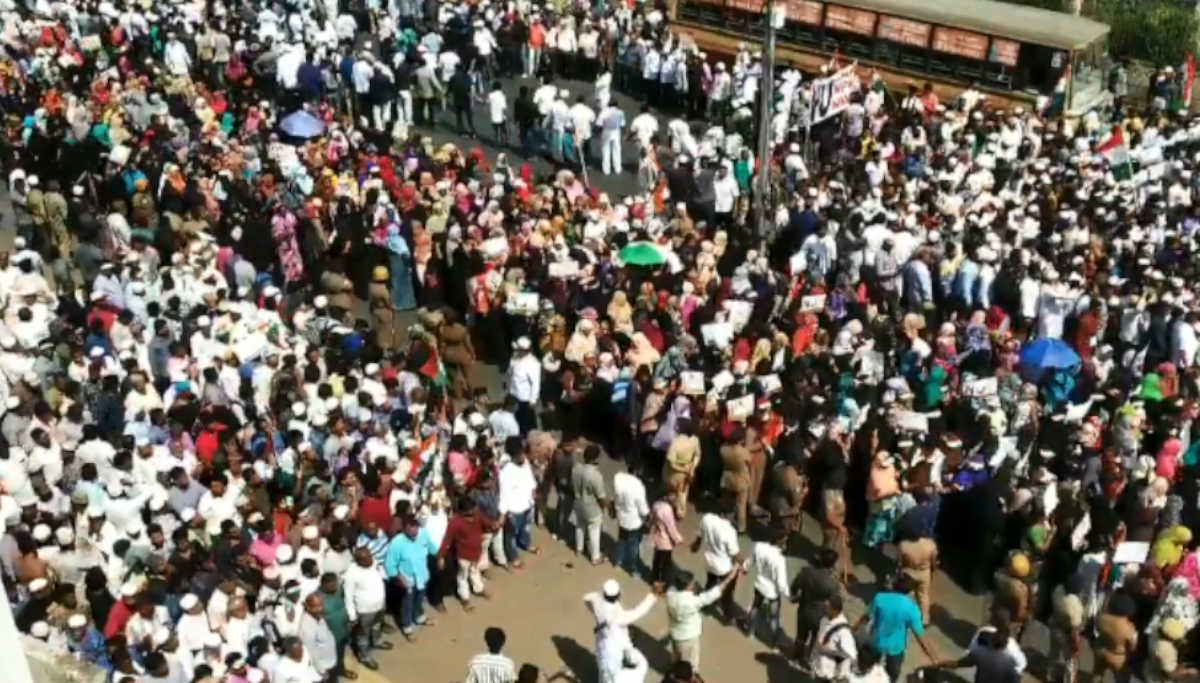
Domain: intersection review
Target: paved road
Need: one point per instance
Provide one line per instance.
(617, 185)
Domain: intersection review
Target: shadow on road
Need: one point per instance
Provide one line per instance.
(577, 658)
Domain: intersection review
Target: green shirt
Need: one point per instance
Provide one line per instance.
(335, 614)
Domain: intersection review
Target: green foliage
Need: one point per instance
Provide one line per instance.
(1158, 31)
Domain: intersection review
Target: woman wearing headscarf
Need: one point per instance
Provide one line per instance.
(1170, 546)
(400, 265)
(620, 313)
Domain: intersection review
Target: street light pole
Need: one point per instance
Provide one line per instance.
(763, 193)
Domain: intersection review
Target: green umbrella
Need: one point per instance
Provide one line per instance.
(642, 254)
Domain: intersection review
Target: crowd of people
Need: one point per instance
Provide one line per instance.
(224, 457)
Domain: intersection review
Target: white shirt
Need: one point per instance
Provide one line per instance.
(517, 485)
(364, 590)
(770, 570)
(490, 668)
(835, 650)
(725, 191)
(287, 69)
(629, 499)
(497, 106)
(525, 379)
(583, 118)
(644, 126)
(361, 74)
(719, 543)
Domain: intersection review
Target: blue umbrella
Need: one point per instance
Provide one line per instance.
(301, 124)
(1045, 354)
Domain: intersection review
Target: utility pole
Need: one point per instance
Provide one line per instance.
(763, 194)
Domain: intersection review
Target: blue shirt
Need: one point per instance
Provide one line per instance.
(409, 557)
(892, 615)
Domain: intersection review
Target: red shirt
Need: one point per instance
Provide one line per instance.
(464, 536)
(376, 510)
(118, 616)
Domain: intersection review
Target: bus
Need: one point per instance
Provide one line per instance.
(1012, 52)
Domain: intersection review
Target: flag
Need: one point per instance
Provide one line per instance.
(1115, 151)
(1189, 79)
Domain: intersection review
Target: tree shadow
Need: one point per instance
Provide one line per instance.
(579, 660)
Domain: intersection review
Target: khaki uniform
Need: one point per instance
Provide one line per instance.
(680, 468)
(735, 480)
(459, 357)
(379, 299)
(917, 559)
(56, 215)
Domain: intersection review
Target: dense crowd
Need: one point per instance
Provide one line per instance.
(224, 458)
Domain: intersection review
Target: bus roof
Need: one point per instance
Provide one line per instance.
(1018, 22)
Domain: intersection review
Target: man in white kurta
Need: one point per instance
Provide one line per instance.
(613, 644)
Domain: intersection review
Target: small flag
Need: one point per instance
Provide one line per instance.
(1116, 153)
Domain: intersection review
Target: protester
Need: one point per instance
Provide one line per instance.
(968, 329)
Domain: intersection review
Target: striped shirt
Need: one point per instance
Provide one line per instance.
(378, 546)
(490, 668)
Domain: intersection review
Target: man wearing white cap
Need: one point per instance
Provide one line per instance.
(525, 383)
(192, 628)
(86, 642)
(612, 628)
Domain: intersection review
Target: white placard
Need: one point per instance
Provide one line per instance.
(813, 303)
(717, 334)
(770, 384)
(912, 421)
(522, 303)
(740, 408)
(564, 269)
(89, 43)
(722, 381)
(1077, 411)
(119, 155)
(691, 383)
(739, 312)
(797, 263)
(1131, 552)
(249, 347)
(831, 95)
(494, 246)
(979, 388)
(1080, 532)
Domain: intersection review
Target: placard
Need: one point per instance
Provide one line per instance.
(770, 384)
(1131, 552)
(958, 42)
(911, 421)
(250, 347)
(89, 43)
(1004, 51)
(797, 263)
(522, 303)
(722, 381)
(691, 383)
(904, 31)
(849, 19)
(494, 246)
(717, 334)
(813, 303)
(980, 388)
(831, 95)
(739, 312)
(805, 11)
(740, 408)
(564, 269)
